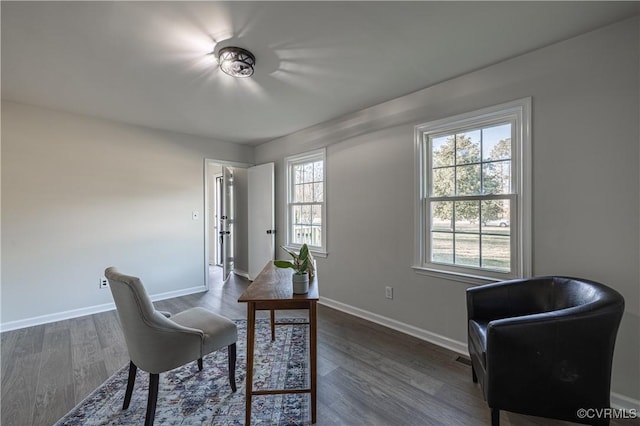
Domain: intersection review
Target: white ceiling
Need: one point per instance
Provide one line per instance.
(148, 63)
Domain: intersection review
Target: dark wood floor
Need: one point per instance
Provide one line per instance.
(368, 374)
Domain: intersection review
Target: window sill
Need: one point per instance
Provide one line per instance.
(314, 252)
(321, 254)
(468, 279)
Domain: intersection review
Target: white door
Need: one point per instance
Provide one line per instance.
(226, 222)
(261, 217)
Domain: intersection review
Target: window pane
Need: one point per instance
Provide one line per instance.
(467, 249)
(443, 151)
(318, 171)
(496, 217)
(298, 234)
(496, 252)
(442, 247)
(297, 214)
(308, 172)
(316, 215)
(496, 177)
(308, 193)
(297, 173)
(496, 142)
(301, 234)
(468, 147)
(316, 236)
(467, 216)
(468, 180)
(318, 193)
(306, 234)
(298, 193)
(443, 182)
(306, 215)
(442, 216)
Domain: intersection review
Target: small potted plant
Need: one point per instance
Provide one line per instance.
(303, 266)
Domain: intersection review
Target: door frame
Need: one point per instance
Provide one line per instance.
(208, 164)
(217, 200)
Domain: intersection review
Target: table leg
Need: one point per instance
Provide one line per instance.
(313, 347)
(273, 325)
(251, 327)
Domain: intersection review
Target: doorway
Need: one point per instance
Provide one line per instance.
(225, 219)
(239, 219)
(216, 243)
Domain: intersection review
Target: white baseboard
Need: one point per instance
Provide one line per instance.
(241, 273)
(75, 313)
(436, 339)
(623, 402)
(618, 401)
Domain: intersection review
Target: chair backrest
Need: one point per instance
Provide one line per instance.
(147, 332)
(131, 298)
(571, 292)
(549, 294)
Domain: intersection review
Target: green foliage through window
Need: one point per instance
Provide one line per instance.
(473, 211)
(470, 217)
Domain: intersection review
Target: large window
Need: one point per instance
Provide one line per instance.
(306, 208)
(473, 199)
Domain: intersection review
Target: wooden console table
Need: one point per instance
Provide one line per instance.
(272, 290)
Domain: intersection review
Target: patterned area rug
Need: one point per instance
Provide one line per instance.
(187, 396)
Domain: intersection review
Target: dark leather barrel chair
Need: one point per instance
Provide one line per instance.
(544, 346)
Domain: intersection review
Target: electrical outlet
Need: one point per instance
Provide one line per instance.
(103, 283)
(388, 292)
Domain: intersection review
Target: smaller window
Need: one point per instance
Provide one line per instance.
(306, 195)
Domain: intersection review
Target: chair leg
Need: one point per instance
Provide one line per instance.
(474, 376)
(232, 365)
(154, 380)
(200, 364)
(130, 382)
(495, 417)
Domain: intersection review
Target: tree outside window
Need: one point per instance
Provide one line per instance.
(306, 206)
(473, 211)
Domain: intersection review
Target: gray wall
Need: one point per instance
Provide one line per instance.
(80, 194)
(586, 184)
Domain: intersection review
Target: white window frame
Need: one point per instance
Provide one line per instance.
(519, 113)
(307, 157)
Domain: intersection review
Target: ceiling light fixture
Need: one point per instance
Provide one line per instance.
(236, 62)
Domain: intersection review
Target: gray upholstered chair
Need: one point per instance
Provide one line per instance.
(158, 342)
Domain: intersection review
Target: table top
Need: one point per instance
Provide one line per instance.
(274, 283)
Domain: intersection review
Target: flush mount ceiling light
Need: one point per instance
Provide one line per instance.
(236, 62)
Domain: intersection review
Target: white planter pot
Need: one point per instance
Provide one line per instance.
(300, 283)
